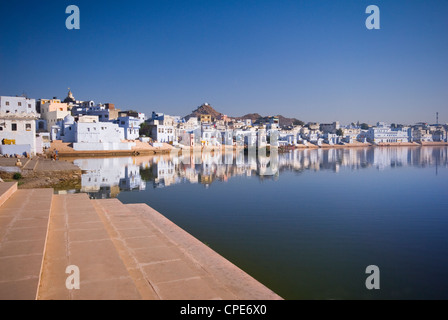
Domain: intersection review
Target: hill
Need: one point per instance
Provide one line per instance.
(283, 121)
(255, 117)
(204, 109)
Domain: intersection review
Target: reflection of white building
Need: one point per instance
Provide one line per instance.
(132, 179)
(109, 173)
(390, 157)
(103, 177)
(165, 172)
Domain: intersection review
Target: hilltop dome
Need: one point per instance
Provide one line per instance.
(70, 97)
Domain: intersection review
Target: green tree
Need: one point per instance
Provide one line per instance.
(340, 132)
(364, 126)
(145, 129)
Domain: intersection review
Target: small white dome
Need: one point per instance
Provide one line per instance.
(69, 119)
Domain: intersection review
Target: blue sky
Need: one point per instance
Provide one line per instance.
(313, 60)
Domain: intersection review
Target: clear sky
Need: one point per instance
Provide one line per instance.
(310, 59)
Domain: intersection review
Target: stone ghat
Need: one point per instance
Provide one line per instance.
(109, 250)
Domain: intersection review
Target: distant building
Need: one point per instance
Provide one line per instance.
(52, 111)
(138, 115)
(131, 127)
(313, 126)
(210, 136)
(99, 110)
(422, 135)
(329, 127)
(384, 134)
(89, 134)
(162, 133)
(205, 118)
(186, 138)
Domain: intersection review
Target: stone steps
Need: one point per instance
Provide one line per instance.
(160, 262)
(122, 252)
(217, 277)
(6, 190)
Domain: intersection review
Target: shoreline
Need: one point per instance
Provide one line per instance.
(41, 172)
(68, 152)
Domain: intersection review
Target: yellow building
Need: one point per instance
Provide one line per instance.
(52, 110)
(205, 118)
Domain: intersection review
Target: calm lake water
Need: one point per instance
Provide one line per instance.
(309, 228)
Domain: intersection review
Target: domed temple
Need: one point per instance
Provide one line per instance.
(70, 98)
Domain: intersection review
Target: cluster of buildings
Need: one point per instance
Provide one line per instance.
(205, 130)
(27, 126)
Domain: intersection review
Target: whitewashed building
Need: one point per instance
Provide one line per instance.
(17, 125)
(162, 133)
(131, 127)
(384, 134)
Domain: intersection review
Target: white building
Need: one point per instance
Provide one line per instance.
(17, 125)
(89, 134)
(17, 105)
(384, 134)
(163, 133)
(210, 136)
(131, 127)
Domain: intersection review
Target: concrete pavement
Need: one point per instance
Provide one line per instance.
(122, 252)
(23, 228)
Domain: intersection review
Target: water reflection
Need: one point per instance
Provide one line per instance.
(106, 177)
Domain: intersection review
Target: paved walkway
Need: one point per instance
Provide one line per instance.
(77, 237)
(39, 165)
(23, 228)
(174, 263)
(122, 252)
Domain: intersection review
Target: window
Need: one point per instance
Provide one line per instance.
(28, 127)
(14, 126)
(29, 105)
(19, 104)
(7, 103)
